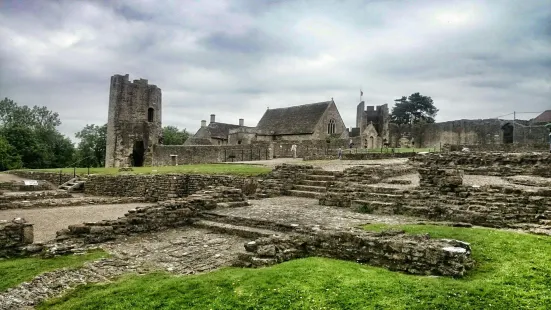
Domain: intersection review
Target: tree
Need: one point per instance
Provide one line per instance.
(36, 117)
(92, 145)
(33, 135)
(9, 159)
(173, 136)
(414, 109)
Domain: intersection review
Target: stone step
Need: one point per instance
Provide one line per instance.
(230, 229)
(322, 172)
(213, 216)
(373, 206)
(232, 204)
(306, 194)
(313, 183)
(309, 188)
(320, 177)
(385, 196)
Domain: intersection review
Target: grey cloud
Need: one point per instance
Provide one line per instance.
(235, 58)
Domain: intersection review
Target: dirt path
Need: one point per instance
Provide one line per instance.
(49, 220)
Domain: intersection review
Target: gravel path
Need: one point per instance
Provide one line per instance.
(7, 177)
(48, 221)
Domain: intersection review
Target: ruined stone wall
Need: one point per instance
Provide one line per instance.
(393, 250)
(163, 215)
(157, 186)
(466, 132)
(205, 154)
(507, 148)
(19, 186)
(282, 149)
(55, 178)
(14, 236)
(128, 123)
(496, 164)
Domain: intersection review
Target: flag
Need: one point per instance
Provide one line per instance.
(361, 93)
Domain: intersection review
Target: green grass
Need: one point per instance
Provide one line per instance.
(513, 272)
(19, 270)
(230, 169)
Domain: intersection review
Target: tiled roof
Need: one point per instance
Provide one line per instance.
(544, 117)
(301, 119)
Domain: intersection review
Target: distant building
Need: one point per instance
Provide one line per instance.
(544, 117)
(213, 134)
(372, 126)
(315, 121)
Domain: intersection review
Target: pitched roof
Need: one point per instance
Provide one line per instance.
(301, 119)
(220, 130)
(544, 117)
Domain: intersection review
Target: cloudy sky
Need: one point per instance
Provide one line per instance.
(476, 59)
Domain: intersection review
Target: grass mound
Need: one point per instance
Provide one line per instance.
(19, 270)
(513, 272)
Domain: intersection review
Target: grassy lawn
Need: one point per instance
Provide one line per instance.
(232, 169)
(19, 270)
(513, 272)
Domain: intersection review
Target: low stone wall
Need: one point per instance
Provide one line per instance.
(19, 186)
(496, 164)
(55, 178)
(15, 235)
(443, 180)
(163, 215)
(507, 148)
(67, 202)
(393, 250)
(359, 156)
(206, 154)
(157, 187)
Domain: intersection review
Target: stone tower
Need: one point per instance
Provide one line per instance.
(134, 122)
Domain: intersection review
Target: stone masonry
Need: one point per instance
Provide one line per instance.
(134, 123)
(15, 235)
(416, 254)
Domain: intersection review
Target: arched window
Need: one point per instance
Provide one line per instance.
(331, 127)
(150, 114)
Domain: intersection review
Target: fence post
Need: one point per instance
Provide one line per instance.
(242, 155)
(225, 158)
(59, 177)
(251, 154)
(88, 170)
(74, 171)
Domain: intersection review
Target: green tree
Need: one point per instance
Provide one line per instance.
(92, 145)
(9, 159)
(33, 134)
(414, 109)
(173, 136)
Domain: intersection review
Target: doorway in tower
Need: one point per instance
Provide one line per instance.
(138, 153)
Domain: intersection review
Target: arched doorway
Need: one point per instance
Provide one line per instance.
(371, 142)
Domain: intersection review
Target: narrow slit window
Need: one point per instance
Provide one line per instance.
(150, 114)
